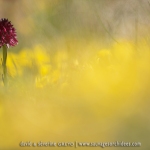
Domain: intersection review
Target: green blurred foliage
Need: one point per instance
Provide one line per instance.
(48, 20)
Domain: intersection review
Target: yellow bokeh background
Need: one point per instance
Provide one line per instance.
(59, 97)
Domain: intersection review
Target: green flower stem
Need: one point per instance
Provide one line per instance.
(4, 64)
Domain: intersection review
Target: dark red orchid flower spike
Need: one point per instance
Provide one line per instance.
(8, 35)
(8, 38)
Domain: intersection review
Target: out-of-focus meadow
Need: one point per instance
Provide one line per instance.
(81, 72)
